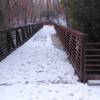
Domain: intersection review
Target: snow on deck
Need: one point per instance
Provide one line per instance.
(40, 71)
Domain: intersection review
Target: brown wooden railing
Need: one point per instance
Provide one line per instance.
(84, 56)
(11, 39)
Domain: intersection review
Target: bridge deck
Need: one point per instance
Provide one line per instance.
(40, 71)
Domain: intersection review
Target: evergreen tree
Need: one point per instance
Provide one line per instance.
(85, 16)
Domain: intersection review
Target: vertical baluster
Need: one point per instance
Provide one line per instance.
(23, 34)
(18, 39)
(83, 74)
(26, 32)
(29, 31)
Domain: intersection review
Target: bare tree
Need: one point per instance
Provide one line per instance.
(56, 9)
(3, 6)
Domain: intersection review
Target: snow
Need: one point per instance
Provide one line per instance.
(94, 82)
(40, 71)
(60, 21)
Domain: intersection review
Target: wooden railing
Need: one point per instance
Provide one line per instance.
(11, 39)
(73, 43)
(84, 56)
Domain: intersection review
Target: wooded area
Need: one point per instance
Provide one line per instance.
(23, 12)
(84, 15)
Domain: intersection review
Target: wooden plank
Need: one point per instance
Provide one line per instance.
(97, 43)
(92, 60)
(94, 50)
(92, 65)
(92, 55)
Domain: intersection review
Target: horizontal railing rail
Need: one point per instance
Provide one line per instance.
(10, 39)
(92, 60)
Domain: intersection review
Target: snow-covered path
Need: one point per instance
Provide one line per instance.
(40, 71)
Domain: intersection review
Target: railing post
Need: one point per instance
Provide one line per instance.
(18, 40)
(30, 31)
(83, 73)
(23, 34)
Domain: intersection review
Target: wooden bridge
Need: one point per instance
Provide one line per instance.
(84, 55)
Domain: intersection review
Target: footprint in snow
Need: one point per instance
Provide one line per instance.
(29, 63)
(39, 91)
(36, 98)
(22, 64)
(6, 84)
(81, 99)
(55, 82)
(48, 63)
(54, 98)
(71, 94)
(21, 70)
(41, 66)
(19, 82)
(39, 71)
(65, 82)
(40, 82)
(50, 90)
(24, 77)
(26, 82)
(56, 91)
(21, 91)
(59, 77)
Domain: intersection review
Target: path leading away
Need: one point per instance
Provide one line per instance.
(40, 71)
